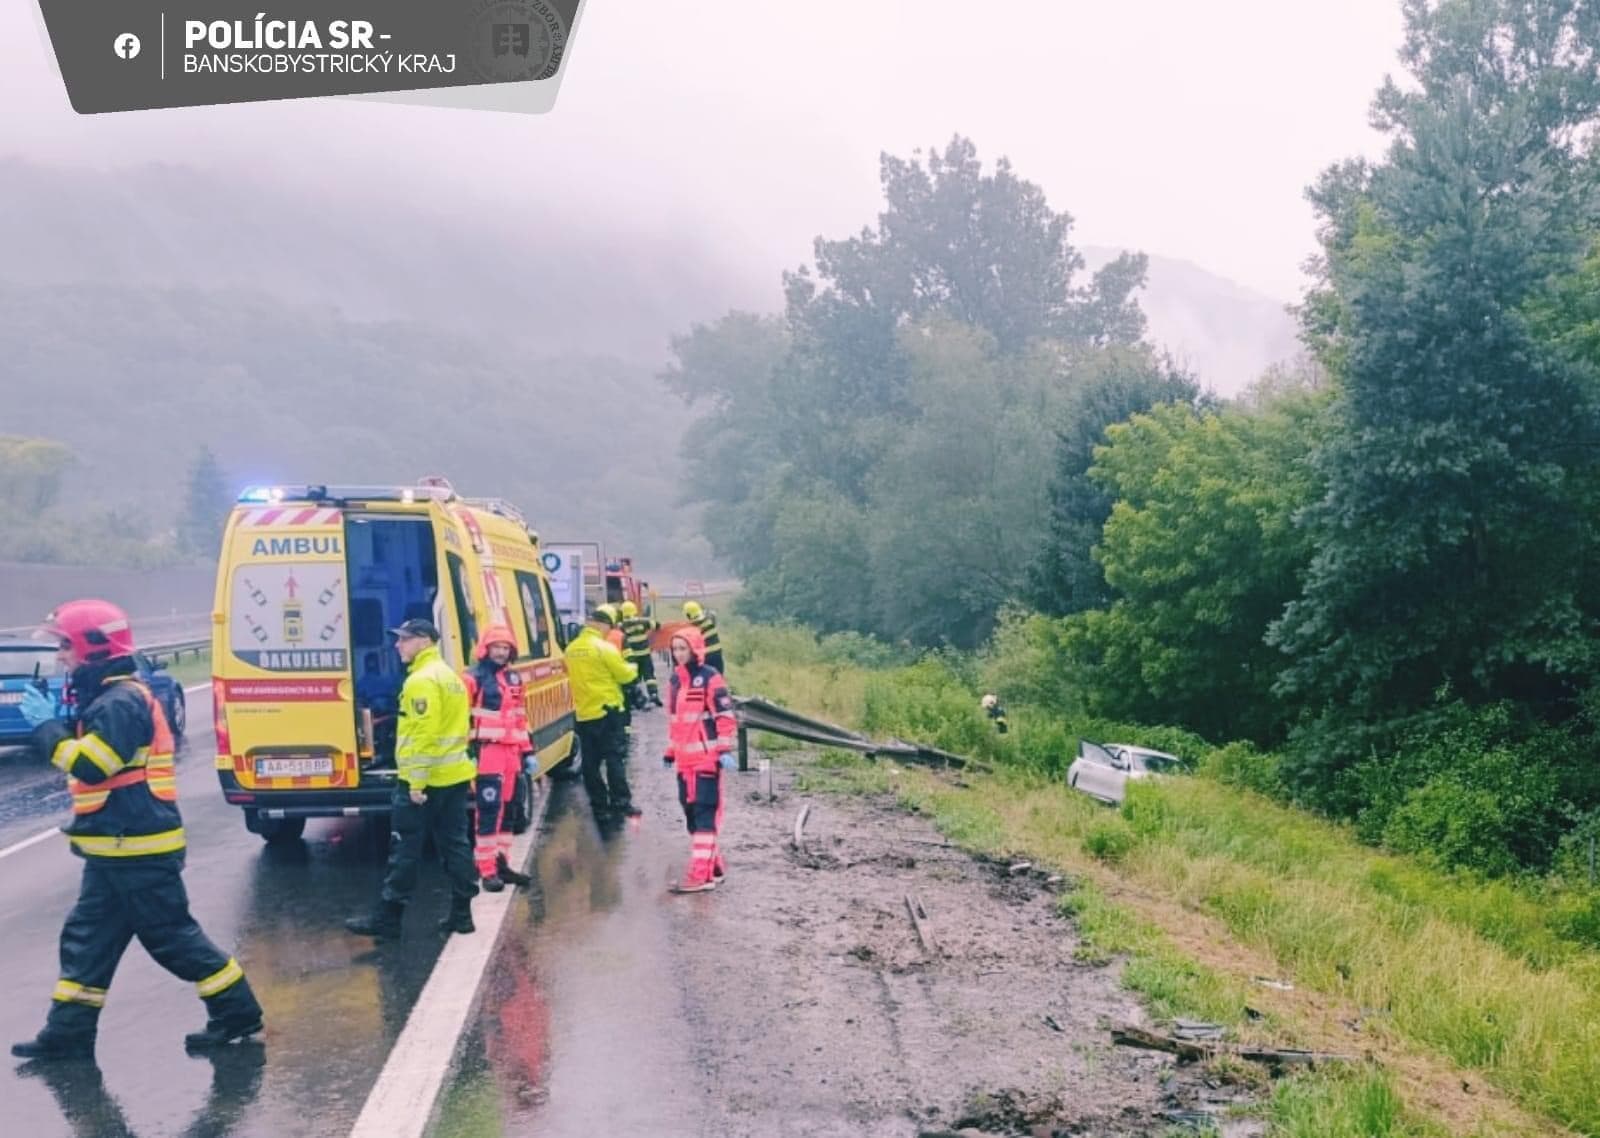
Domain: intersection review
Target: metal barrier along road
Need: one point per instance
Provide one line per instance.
(158, 637)
(757, 714)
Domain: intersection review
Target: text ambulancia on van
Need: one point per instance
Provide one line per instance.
(305, 678)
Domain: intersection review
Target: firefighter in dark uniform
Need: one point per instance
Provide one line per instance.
(706, 622)
(636, 632)
(126, 827)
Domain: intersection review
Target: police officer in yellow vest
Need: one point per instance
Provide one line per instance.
(598, 673)
(126, 827)
(434, 789)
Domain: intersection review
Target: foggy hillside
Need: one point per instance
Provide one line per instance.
(569, 284)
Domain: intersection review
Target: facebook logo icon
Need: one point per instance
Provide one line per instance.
(127, 46)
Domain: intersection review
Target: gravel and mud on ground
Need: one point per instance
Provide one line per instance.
(801, 998)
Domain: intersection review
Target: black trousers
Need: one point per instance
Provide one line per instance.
(444, 817)
(647, 674)
(605, 753)
(144, 898)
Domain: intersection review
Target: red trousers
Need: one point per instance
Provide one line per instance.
(498, 767)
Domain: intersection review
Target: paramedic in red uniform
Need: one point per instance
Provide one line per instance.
(126, 828)
(701, 732)
(500, 738)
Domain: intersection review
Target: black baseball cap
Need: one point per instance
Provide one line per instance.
(417, 627)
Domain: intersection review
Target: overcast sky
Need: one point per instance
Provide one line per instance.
(1186, 130)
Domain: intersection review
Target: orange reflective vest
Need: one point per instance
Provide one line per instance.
(152, 764)
(506, 725)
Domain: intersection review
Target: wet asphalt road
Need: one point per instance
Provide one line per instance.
(333, 1004)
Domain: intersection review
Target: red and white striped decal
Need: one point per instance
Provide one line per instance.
(290, 516)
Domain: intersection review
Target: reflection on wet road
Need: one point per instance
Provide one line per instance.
(334, 1005)
(583, 1029)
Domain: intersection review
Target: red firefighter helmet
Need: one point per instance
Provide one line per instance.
(96, 630)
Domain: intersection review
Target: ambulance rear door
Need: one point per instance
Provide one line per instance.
(282, 680)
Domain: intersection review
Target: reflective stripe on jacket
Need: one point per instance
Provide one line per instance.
(597, 672)
(506, 722)
(435, 717)
(700, 718)
(120, 775)
(636, 632)
(707, 624)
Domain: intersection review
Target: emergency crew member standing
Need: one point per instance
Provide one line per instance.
(127, 828)
(701, 734)
(636, 632)
(433, 792)
(706, 622)
(597, 672)
(500, 739)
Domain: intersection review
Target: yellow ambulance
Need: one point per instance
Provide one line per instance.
(305, 678)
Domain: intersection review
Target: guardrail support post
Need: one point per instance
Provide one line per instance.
(744, 749)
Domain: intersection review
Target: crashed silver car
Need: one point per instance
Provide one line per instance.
(1102, 770)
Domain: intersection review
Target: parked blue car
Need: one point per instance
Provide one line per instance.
(22, 663)
(25, 662)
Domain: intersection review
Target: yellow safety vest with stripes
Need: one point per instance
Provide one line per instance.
(435, 717)
(121, 776)
(636, 632)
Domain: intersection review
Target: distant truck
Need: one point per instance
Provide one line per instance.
(588, 579)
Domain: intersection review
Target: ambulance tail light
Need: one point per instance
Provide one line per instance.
(219, 718)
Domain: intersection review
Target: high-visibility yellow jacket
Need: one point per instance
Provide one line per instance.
(597, 672)
(435, 715)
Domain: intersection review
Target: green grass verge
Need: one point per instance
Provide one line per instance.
(1470, 970)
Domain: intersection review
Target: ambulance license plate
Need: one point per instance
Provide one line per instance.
(291, 768)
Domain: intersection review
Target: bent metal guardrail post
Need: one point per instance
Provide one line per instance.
(756, 713)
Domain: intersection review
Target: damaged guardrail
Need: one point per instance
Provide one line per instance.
(757, 714)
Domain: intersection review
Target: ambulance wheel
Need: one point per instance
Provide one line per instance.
(274, 830)
(519, 811)
(570, 767)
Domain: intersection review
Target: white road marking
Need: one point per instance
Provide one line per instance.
(54, 831)
(403, 1099)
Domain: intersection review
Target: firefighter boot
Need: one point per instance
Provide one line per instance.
(231, 1015)
(221, 1032)
(510, 876)
(52, 1045)
(383, 923)
(460, 918)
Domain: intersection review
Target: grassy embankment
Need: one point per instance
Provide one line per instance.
(1478, 1001)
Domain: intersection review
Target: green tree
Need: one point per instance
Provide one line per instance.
(1108, 387)
(1202, 555)
(206, 506)
(31, 471)
(876, 407)
(1453, 541)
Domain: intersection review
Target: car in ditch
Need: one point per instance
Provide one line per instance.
(1102, 770)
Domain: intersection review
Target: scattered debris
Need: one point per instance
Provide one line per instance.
(919, 919)
(1021, 867)
(1192, 1051)
(1279, 985)
(800, 826)
(1050, 1022)
(1196, 1029)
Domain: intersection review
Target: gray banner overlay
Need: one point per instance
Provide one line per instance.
(124, 55)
